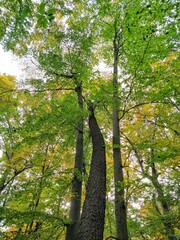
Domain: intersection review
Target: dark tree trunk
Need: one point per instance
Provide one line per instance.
(120, 207)
(91, 225)
(74, 214)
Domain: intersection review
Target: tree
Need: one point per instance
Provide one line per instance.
(132, 55)
(67, 41)
(150, 150)
(77, 179)
(91, 225)
(120, 207)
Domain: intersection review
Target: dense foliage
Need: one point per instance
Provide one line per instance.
(43, 116)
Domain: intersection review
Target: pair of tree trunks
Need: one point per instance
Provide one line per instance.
(91, 225)
(92, 219)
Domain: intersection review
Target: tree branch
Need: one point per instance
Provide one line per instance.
(37, 90)
(111, 237)
(140, 104)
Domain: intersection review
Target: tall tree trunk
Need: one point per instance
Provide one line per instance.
(91, 225)
(74, 214)
(120, 208)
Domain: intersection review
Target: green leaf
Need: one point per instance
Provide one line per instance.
(42, 22)
(42, 8)
(50, 11)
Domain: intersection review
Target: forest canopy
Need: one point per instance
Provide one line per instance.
(90, 136)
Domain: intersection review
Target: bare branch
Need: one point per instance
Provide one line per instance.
(141, 104)
(37, 90)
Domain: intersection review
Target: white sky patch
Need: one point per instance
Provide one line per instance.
(8, 64)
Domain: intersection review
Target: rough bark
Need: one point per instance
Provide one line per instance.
(75, 208)
(91, 225)
(120, 208)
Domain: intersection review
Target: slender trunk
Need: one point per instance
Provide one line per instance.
(162, 199)
(120, 208)
(74, 214)
(91, 225)
(159, 189)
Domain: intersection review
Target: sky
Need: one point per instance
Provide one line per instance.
(9, 66)
(8, 63)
